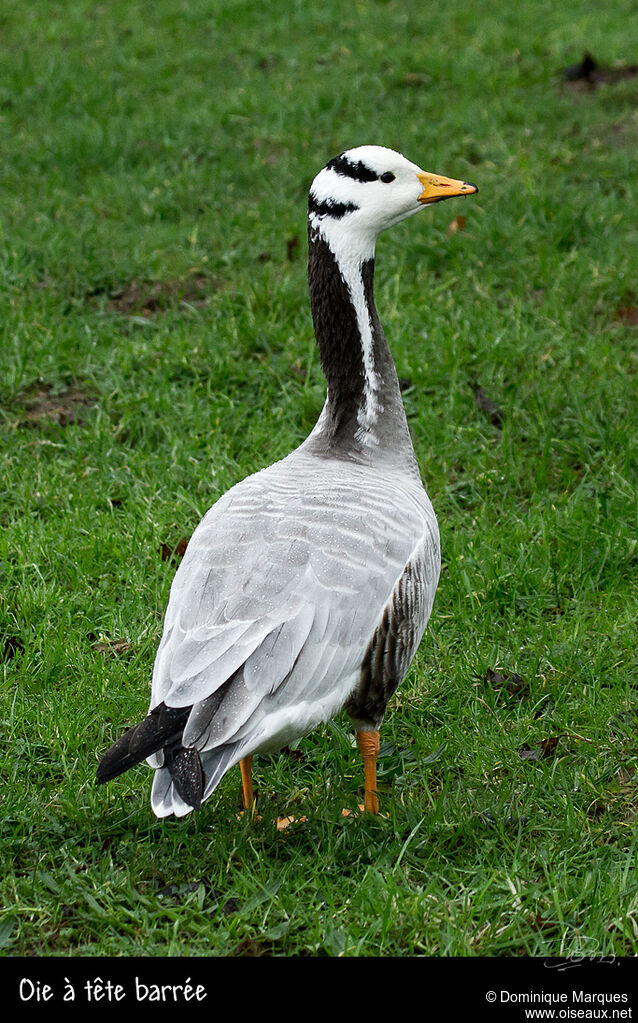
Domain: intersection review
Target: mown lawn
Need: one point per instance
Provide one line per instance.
(157, 346)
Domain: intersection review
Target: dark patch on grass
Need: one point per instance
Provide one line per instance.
(294, 754)
(626, 720)
(414, 80)
(485, 404)
(292, 248)
(179, 892)
(148, 298)
(619, 802)
(10, 646)
(251, 947)
(553, 611)
(47, 404)
(591, 74)
(267, 63)
(543, 924)
(582, 71)
(510, 821)
(298, 370)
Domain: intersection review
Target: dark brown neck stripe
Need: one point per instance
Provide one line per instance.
(336, 330)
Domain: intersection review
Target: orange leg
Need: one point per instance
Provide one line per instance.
(368, 743)
(246, 768)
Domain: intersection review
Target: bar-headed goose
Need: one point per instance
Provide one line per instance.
(306, 588)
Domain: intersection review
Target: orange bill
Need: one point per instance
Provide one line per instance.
(436, 188)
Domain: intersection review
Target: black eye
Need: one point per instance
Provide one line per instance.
(387, 177)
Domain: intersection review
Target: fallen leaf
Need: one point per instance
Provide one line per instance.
(545, 750)
(174, 554)
(112, 646)
(458, 224)
(548, 746)
(361, 806)
(628, 316)
(514, 684)
(284, 822)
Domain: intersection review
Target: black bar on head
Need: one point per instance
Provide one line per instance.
(351, 169)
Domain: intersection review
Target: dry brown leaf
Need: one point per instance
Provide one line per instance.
(352, 813)
(513, 684)
(284, 822)
(458, 224)
(545, 750)
(112, 646)
(628, 315)
(174, 554)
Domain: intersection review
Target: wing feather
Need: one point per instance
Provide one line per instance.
(274, 621)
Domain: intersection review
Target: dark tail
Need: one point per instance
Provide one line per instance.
(161, 730)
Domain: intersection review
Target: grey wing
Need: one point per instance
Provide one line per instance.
(272, 609)
(398, 633)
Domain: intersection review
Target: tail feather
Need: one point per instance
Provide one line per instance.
(185, 768)
(166, 795)
(162, 728)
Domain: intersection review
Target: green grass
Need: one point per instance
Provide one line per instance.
(156, 160)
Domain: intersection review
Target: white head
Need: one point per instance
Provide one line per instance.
(367, 189)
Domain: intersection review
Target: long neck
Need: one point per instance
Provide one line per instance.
(364, 415)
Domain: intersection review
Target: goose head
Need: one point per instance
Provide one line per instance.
(367, 189)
